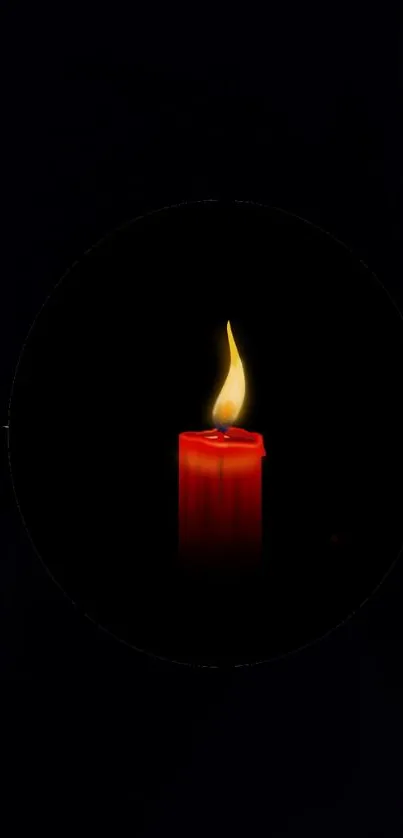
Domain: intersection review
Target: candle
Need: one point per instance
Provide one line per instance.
(220, 480)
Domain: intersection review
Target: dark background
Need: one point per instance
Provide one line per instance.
(131, 349)
(104, 117)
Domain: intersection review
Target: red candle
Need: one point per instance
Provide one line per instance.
(220, 481)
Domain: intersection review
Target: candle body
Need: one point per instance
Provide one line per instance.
(220, 496)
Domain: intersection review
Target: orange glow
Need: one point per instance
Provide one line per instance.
(231, 397)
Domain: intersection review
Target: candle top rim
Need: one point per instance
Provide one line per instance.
(232, 438)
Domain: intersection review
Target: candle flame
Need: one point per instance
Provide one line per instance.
(231, 397)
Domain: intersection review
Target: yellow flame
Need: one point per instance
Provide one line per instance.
(230, 400)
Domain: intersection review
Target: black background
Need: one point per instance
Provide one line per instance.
(131, 349)
(104, 117)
